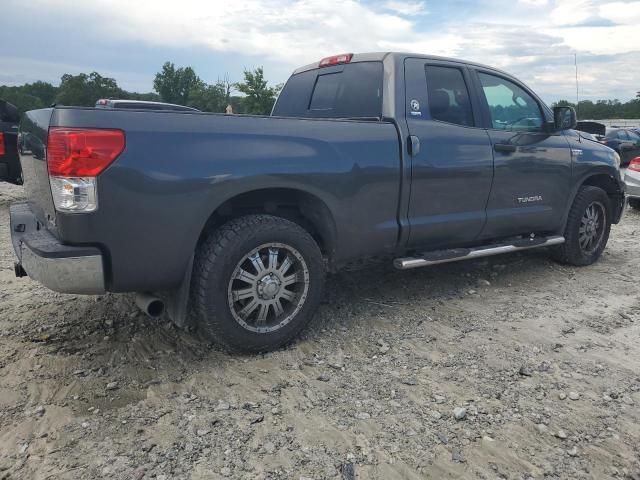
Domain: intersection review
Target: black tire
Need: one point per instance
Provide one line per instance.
(634, 203)
(572, 251)
(219, 260)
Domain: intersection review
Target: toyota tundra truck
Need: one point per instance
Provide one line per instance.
(230, 222)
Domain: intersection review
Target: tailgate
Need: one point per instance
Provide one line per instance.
(34, 129)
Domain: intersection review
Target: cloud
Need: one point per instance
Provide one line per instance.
(534, 3)
(407, 8)
(535, 39)
(627, 13)
(289, 31)
(572, 12)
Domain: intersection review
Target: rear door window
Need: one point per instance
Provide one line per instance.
(449, 99)
(347, 91)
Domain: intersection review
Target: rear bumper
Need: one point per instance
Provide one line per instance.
(59, 267)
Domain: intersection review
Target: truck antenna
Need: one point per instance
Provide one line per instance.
(575, 58)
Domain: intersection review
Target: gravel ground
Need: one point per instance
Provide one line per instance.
(510, 367)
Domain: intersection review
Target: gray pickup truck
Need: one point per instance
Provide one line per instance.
(231, 221)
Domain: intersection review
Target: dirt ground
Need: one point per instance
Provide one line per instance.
(512, 367)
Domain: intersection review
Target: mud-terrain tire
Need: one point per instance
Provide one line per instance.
(249, 263)
(587, 230)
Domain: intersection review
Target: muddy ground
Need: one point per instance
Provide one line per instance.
(540, 363)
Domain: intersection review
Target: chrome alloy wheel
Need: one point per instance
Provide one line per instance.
(268, 287)
(592, 227)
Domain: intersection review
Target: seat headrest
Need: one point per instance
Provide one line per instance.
(439, 101)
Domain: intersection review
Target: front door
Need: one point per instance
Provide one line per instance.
(532, 167)
(451, 172)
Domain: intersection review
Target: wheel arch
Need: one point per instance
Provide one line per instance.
(602, 179)
(296, 205)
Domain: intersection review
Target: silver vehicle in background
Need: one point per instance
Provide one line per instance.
(141, 105)
(632, 182)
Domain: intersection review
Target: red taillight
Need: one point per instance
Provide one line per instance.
(82, 152)
(336, 60)
(635, 164)
(2, 148)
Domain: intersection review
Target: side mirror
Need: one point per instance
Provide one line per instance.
(564, 118)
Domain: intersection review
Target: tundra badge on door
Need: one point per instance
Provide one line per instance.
(533, 198)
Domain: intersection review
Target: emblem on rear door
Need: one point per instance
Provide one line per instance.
(415, 108)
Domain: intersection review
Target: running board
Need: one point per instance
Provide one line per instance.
(457, 254)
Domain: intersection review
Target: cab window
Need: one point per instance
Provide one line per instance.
(510, 107)
(448, 96)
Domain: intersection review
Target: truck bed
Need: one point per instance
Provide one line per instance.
(177, 168)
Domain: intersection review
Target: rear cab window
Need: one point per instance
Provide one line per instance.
(353, 90)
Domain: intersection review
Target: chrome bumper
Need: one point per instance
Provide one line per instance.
(59, 267)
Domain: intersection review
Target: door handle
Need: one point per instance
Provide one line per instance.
(504, 147)
(413, 145)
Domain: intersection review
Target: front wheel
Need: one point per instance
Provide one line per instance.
(587, 230)
(257, 283)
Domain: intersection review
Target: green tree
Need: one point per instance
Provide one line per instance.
(84, 90)
(23, 101)
(259, 97)
(175, 84)
(42, 90)
(208, 98)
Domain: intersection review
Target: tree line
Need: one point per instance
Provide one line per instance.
(253, 95)
(604, 109)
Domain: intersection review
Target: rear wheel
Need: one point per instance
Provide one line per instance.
(635, 203)
(257, 283)
(588, 227)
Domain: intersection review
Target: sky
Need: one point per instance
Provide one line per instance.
(129, 40)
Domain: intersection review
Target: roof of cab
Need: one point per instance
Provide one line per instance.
(380, 56)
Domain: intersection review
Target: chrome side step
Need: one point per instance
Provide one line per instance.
(455, 255)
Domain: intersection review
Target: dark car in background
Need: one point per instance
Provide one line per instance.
(625, 141)
(10, 170)
(142, 105)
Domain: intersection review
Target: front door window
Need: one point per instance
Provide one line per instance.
(510, 107)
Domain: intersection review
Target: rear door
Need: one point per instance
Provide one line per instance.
(532, 167)
(452, 169)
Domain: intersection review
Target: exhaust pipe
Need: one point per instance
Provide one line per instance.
(150, 304)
